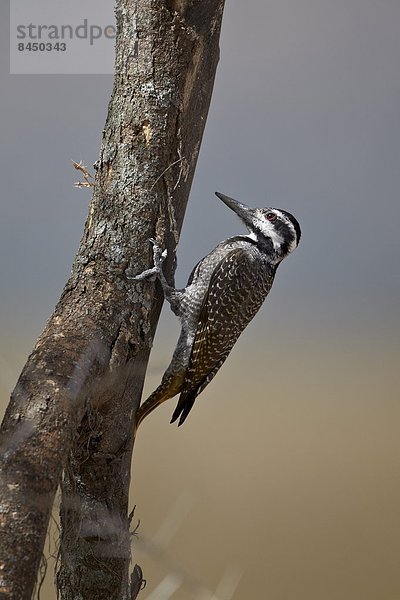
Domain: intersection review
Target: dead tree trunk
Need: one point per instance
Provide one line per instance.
(74, 403)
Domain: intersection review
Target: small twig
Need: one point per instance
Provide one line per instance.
(41, 575)
(86, 175)
(180, 170)
(165, 170)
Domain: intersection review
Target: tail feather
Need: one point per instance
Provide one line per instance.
(184, 406)
(168, 388)
(188, 396)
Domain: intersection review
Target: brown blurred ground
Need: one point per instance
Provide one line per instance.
(286, 473)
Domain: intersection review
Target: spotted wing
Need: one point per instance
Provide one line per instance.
(237, 289)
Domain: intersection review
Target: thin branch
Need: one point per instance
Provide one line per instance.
(88, 183)
(165, 170)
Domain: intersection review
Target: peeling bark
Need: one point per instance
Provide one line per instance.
(74, 403)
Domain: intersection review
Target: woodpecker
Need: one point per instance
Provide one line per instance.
(224, 292)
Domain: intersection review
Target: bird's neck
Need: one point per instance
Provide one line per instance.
(267, 246)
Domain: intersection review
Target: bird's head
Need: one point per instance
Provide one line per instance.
(273, 228)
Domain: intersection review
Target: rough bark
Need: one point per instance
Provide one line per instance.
(74, 403)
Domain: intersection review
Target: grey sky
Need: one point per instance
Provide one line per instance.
(305, 116)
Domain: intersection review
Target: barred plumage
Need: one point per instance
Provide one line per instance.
(224, 292)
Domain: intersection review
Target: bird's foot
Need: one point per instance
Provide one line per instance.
(158, 259)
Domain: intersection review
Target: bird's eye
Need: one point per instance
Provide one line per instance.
(271, 217)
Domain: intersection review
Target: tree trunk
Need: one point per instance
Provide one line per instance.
(74, 403)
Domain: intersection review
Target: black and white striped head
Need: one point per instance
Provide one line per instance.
(274, 228)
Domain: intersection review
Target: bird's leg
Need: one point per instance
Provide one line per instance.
(172, 295)
(156, 271)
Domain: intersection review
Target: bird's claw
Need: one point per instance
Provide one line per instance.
(158, 259)
(158, 255)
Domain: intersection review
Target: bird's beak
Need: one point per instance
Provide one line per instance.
(242, 211)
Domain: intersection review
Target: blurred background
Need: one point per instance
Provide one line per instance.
(285, 481)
